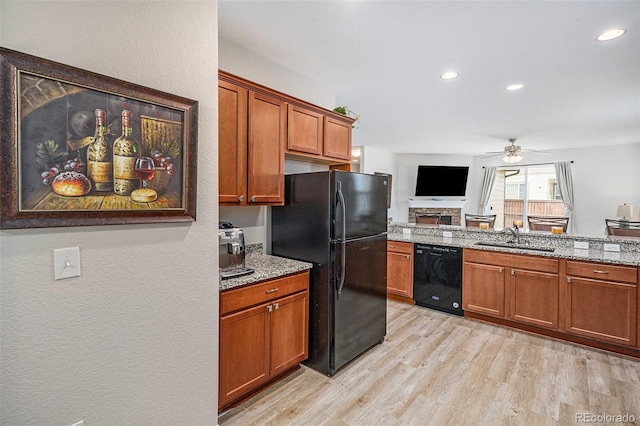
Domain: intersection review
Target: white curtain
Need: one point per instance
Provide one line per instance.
(484, 207)
(565, 186)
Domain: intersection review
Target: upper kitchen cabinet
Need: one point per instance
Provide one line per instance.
(232, 143)
(318, 135)
(252, 128)
(337, 138)
(305, 130)
(267, 126)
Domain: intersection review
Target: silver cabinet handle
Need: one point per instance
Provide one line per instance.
(501, 270)
(513, 272)
(569, 280)
(598, 271)
(272, 290)
(276, 306)
(270, 308)
(407, 257)
(253, 199)
(241, 198)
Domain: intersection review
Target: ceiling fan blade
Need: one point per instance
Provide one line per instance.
(492, 154)
(535, 150)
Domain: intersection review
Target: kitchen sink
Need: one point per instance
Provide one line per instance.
(515, 246)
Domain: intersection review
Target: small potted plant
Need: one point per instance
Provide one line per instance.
(344, 110)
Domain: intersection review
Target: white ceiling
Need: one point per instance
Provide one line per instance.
(384, 59)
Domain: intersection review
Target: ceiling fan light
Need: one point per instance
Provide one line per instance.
(513, 87)
(511, 158)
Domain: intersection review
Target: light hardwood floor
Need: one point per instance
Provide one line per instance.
(439, 369)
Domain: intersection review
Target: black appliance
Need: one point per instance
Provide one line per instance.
(338, 221)
(437, 277)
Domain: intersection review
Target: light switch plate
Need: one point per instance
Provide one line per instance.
(406, 231)
(612, 247)
(66, 263)
(447, 234)
(584, 245)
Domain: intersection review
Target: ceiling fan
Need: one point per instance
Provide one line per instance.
(511, 152)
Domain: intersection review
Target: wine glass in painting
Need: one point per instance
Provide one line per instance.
(144, 170)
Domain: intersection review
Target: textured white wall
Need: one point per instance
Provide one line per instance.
(134, 339)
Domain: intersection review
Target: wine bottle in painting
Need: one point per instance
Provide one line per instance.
(125, 151)
(99, 160)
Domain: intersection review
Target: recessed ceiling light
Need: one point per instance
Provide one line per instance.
(515, 87)
(611, 34)
(449, 75)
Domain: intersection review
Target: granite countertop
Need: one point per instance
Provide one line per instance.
(631, 258)
(266, 267)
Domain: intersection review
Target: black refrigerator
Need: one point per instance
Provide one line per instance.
(338, 221)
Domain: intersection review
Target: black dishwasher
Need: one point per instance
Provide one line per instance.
(437, 277)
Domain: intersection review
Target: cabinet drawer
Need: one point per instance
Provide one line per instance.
(400, 247)
(602, 271)
(235, 299)
(532, 263)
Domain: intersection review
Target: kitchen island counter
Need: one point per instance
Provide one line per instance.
(266, 267)
(563, 245)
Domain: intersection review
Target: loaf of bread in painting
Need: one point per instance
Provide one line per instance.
(71, 184)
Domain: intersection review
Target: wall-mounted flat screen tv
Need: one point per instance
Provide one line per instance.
(441, 181)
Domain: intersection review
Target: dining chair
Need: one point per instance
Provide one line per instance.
(474, 220)
(545, 223)
(623, 228)
(428, 218)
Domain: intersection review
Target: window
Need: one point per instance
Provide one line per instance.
(514, 191)
(525, 190)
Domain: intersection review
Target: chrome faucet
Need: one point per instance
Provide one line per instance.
(516, 234)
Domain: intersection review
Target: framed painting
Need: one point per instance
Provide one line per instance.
(80, 148)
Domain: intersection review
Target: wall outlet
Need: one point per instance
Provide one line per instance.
(406, 231)
(447, 234)
(583, 245)
(612, 247)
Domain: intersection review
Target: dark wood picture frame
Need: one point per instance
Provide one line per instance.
(47, 120)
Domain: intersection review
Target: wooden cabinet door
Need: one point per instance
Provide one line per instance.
(244, 352)
(304, 130)
(400, 274)
(289, 332)
(483, 289)
(534, 298)
(267, 126)
(337, 139)
(602, 310)
(232, 144)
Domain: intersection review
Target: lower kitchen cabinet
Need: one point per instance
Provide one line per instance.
(535, 297)
(517, 287)
(263, 334)
(483, 288)
(400, 269)
(602, 302)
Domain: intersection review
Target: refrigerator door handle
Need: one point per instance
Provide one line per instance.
(344, 232)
